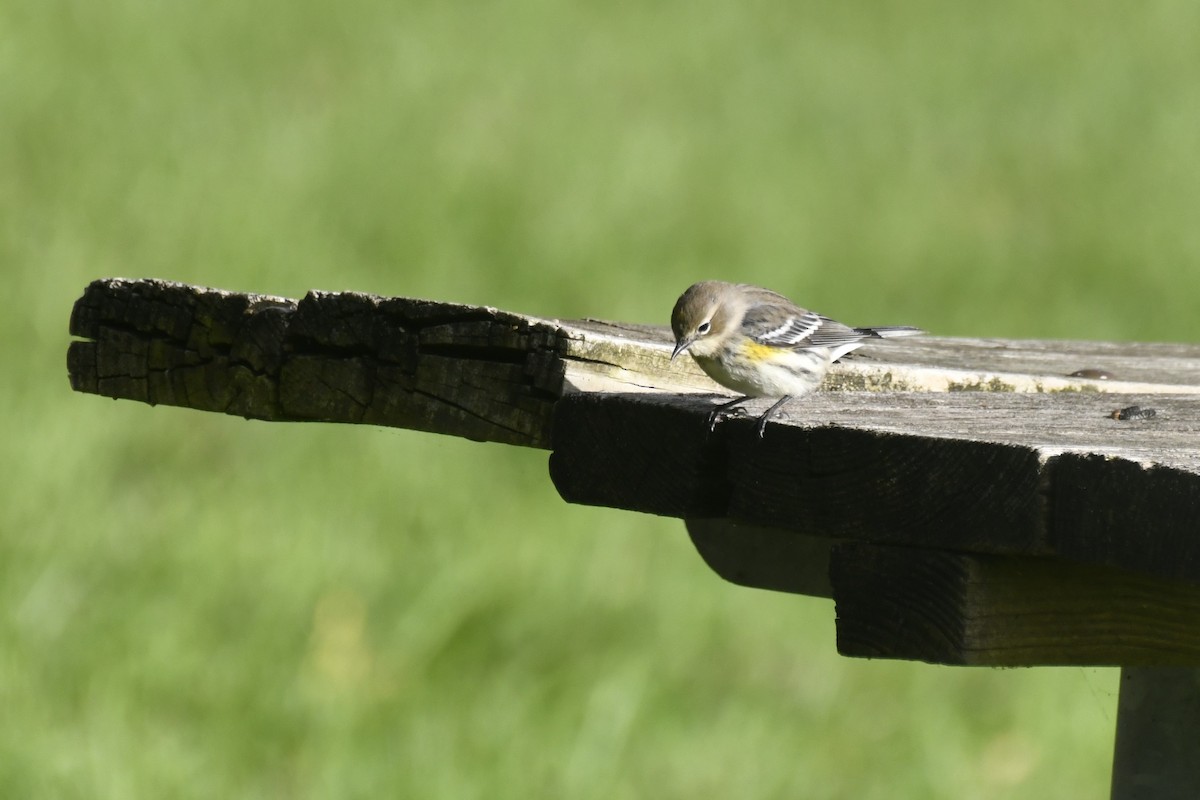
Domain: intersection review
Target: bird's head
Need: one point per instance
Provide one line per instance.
(702, 316)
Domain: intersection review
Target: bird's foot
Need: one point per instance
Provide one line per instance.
(761, 427)
(725, 411)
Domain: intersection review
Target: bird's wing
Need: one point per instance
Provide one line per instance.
(771, 325)
(796, 327)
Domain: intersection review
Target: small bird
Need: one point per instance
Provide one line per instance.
(760, 344)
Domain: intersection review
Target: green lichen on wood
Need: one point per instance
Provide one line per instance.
(993, 384)
(840, 381)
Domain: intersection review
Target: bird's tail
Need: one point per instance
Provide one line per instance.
(890, 332)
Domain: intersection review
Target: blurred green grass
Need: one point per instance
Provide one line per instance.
(197, 606)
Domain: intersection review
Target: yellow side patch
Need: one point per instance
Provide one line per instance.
(758, 352)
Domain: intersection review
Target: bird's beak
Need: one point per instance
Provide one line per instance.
(680, 346)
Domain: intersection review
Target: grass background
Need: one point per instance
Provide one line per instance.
(199, 606)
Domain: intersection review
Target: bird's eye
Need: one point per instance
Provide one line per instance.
(703, 327)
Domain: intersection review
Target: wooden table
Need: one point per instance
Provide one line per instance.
(963, 501)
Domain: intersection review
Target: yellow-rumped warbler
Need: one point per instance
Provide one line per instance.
(759, 343)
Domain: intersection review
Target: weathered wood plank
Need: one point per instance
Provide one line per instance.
(958, 609)
(655, 454)
(1048, 364)
(1051, 424)
(484, 373)
(1004, 473)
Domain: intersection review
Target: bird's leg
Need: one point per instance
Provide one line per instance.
(723, 410)
(762, 421)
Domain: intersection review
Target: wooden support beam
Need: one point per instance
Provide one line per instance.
(967, 610)
(1002, 611)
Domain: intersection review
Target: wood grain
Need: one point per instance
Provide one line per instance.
(953, 608)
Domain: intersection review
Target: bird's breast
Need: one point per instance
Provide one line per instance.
(758, 370)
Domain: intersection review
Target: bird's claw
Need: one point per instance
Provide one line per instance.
(761, 427)
(723, 412)
(734, 409)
